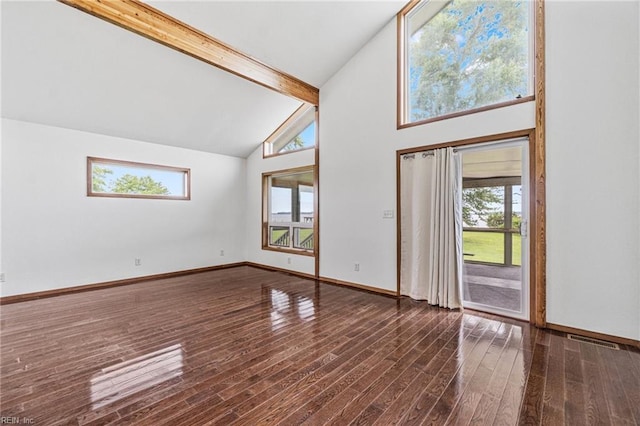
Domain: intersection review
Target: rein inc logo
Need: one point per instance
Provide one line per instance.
(16, 420)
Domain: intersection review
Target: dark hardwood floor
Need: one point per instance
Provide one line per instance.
(246, 346)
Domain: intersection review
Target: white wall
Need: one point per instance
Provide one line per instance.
(358, 142)
(54, 236)
(592, 162)
(256, 166)
(593, 172)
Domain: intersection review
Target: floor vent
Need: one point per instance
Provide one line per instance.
(596, 342)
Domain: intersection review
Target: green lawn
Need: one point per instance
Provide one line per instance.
(486, 246)
(305, 232)
(489, 247)
(277, 233)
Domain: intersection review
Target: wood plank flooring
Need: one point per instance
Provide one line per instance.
(245, 346)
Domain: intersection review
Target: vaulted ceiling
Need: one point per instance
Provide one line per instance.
(65, 68)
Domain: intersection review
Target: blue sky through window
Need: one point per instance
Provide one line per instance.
(281, 201)
(308, 137)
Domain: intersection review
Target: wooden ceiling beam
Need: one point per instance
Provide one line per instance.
(142, 19)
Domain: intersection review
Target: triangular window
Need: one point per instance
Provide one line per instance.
(298, 132)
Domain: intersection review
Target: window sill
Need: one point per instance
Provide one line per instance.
(300, 252)
(278, 154)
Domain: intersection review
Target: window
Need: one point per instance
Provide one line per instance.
(461, 56)
(116, 178)
(289, 210)
(298, 132)
(492, 216)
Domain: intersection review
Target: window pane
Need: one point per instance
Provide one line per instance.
(305, 139)
(306, 203)
(516, 218)
(303, 238)
(483, 207)
(516, 250)
(516, 221)
(469, 55)
(291, 212)
(485, 247)
(280, 204)
(137, 180)
(279, 236)
(296, 133)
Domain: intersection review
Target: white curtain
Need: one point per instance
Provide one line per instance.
(431, 227)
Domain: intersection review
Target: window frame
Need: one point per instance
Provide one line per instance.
(266, 211)
(107, 161)
(535, 52)
(282, 128)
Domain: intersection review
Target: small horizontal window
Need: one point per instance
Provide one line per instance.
(296, 133)
(117, 178)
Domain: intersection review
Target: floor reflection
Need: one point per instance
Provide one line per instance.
(487, 352)
(306, 308)
(128, 377)
(280, 306)
(283, 305)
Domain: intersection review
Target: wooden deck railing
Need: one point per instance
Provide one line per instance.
(292, 235)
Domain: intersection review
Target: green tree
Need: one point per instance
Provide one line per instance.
(99, 178)
(295, 143)
(477, 204)
(130, 184)
(496, 220)
(471, 54)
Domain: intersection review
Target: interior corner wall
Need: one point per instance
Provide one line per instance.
(593, 166)
(55, 236)
(256, 166)
(592, 160)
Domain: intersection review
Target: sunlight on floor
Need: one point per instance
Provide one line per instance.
(128, 377)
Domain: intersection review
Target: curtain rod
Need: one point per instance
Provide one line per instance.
(502, 143)
(427, 153)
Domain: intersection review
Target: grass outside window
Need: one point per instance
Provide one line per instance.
(489, 247)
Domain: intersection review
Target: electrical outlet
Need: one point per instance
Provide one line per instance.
(356, 267)
(221, 252)
(289, 260)
(387, 214)
(137, 261)
(2, 277)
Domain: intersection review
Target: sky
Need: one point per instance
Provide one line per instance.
(309, 135)
(281, 201)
